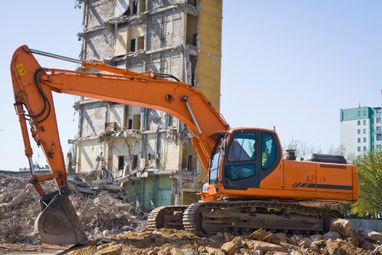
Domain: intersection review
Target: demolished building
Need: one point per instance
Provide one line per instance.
(148, 150)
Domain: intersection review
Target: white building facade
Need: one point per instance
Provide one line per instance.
(360, 130)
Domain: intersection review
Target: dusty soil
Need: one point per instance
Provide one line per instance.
(115, 226)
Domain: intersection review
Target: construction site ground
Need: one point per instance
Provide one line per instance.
(115, 226)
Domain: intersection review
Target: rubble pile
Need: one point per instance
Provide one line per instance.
(115, 226)
(104, 214)
(260, 242)
(17, 223)
(100, 211)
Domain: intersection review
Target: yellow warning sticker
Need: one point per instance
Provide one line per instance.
(20, 68)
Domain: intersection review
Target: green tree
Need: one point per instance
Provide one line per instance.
(370, 184)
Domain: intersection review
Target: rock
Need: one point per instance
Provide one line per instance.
(110, 250)
(201, 249)
(374, 235)
(176, 251)
(229, 248)
(264, 247)
(331, 235)
(212, 250)
(219, 235)
(228, 236)
(377, 250)
(276, 238)
(238, 241)
(367, 246)
(295, 253)
(342, 227)
(105, 232)
(332, 246)
(190, 252)
(305, 243)
(281, 253)
(314, 238)
(259, 234)
(293, 239)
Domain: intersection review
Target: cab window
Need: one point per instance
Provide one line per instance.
(243, 147)
(214, 166)
(268, 150)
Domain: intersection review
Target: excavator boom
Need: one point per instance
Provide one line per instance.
(33, 87)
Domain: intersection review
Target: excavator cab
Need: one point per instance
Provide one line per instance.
(243, 158)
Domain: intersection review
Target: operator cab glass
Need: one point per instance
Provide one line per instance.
(251, 155)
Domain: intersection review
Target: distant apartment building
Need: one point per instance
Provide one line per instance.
(360, 130)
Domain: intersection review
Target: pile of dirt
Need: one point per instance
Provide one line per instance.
(118, 227)
(260, 242)
(100, 213)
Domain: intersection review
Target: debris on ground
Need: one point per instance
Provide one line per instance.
(262, 242)
(116, 226)
(101, 209)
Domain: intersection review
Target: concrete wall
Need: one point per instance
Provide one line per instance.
(169, 37)
(372, 224)
(209, 58)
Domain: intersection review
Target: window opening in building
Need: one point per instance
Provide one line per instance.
(132, 45)
(125, 117)
(359, 113)
(137, 121)
(364, 122)
(364, 131)
(141, 43)
(135, 7)
(358, 140)
(121, 162)
(364, 112)
(135, 162)
(359, 123)
(379, 137)
(169, 120)
(359, 148)
(191, 31)
(189, 163)
(364, 139)
(193, 60)
(378, 120)
(142, 6)
(364, 148)
(359, 131)
(130, 126)
(127, 12)
(192, 2)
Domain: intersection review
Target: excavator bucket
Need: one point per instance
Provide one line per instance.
(58, 223)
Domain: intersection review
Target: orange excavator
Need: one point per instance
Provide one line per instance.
(250, 185)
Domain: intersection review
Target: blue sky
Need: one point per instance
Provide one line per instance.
(286, 63)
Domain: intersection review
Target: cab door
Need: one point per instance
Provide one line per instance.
(251, 156)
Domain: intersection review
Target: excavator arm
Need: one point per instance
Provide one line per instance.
(33, 87)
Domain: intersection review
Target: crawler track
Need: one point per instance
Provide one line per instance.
(166, 217)
(208, 218)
